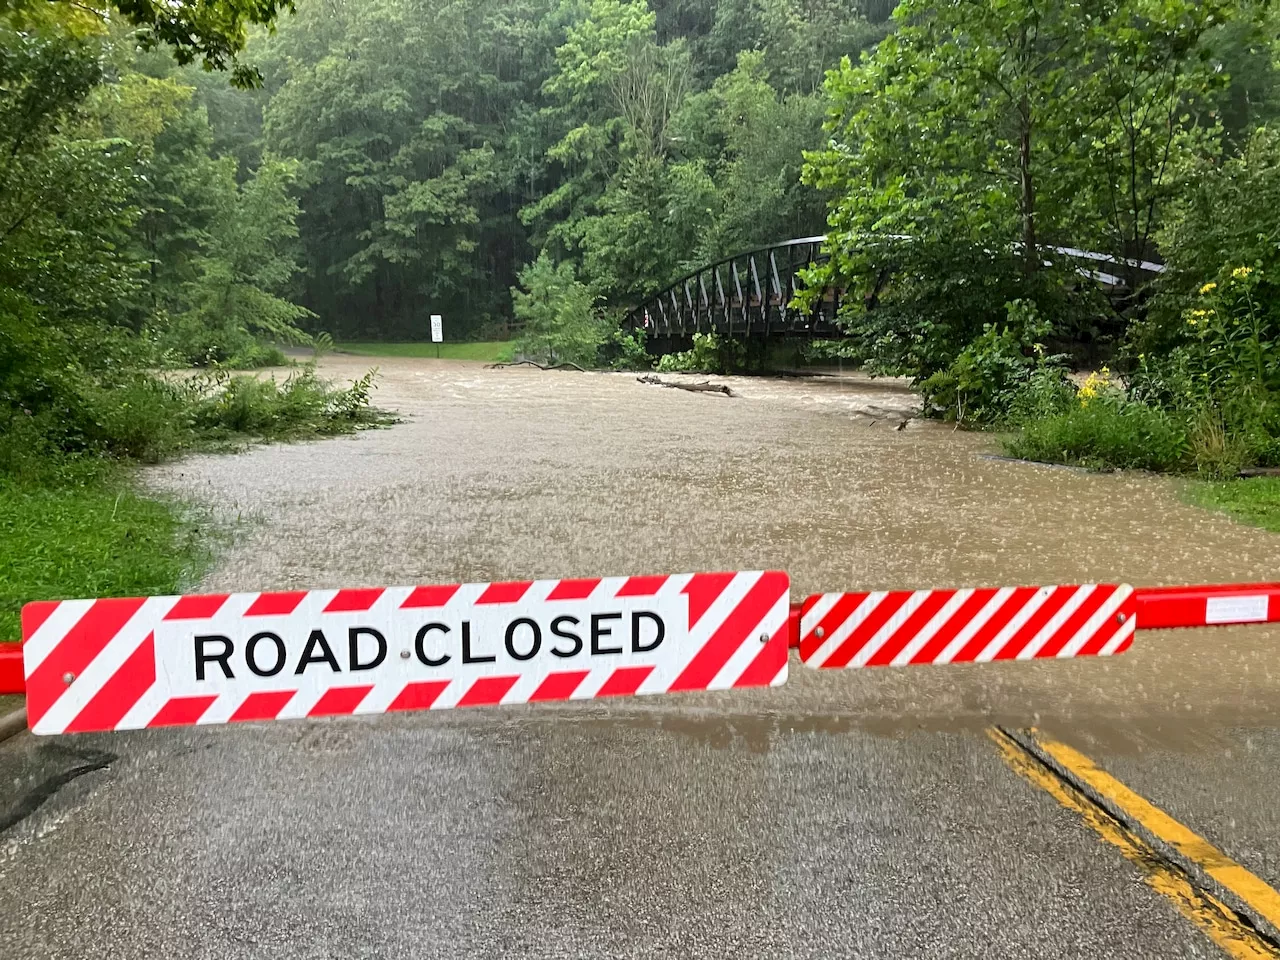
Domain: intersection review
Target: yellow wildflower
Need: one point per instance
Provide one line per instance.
(1093, 385)
(1208, 288)
(1241, 272)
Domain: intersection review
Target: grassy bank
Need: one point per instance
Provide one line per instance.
(1255, 501)
(73, 523)
(486, 352)
(98, 540)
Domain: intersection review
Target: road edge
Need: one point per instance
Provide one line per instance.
(13, 723)
(1027, 740)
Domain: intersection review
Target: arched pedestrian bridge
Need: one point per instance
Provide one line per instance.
(749, 295)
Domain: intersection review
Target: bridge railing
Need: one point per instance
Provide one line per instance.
(750, 294)
(745, 295)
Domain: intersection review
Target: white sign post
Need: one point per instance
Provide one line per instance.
(437, 332)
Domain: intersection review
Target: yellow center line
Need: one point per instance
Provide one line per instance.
(1248, 886)
(1218, 921)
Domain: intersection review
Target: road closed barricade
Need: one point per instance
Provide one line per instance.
(119, 664)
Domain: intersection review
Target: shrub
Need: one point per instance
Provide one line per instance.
(627, 351)
(819, 351)
(1209, 350)
(141, 417)
(560, 316)
(1228, 215)
(190, 341)
(930, 297)
(304, 405)
(993, 374)
(1101, 435)
(710, 354)
(1047, 392)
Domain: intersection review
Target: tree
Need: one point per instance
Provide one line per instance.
(800, 40)
(211, 31)
(977, 135)
(559, 315)
(747, 141)
(613, 94)
(412, 121)
(247, 263)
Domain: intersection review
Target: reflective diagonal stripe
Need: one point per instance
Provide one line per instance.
(902, 627)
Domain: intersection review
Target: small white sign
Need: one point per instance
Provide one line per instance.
(1252, 609)
(437, 328)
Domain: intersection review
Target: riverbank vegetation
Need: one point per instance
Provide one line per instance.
(132, 248)
(977, 142)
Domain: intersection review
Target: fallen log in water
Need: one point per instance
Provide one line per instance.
(705, 387)
(564, 365)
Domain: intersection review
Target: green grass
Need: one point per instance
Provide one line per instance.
(100, 540)
(1255, 501)
(488, 352)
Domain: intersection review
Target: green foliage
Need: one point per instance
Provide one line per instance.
(1104, 435)
(562, 322)
(822, 351)
(1207, 350)
(1002, 369)
(95, 538)
(419, 144)
(710, 354)
(797, 39)
(123, 243)
(737, 182)
(1227, 218)
(627, 351)
(975, 134)
(225, 407)
(233, 301)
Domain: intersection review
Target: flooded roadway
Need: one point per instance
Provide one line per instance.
(847, 814)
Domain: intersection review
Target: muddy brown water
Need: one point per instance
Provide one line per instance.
(515, 474)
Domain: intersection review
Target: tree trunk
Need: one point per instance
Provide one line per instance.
(1030, 250)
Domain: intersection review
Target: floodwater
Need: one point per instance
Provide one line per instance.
(848, 813)
(516, 473)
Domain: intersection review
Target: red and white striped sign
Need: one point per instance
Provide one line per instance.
(900, 627)
(163, 661)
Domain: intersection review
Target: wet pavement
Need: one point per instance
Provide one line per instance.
(847, 814)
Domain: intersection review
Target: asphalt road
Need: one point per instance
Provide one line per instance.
(860, 813)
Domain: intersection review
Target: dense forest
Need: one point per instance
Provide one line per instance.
(196, 184)
(445, 144)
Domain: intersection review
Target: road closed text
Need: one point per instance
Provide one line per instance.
(267, 653)
(264, 652)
